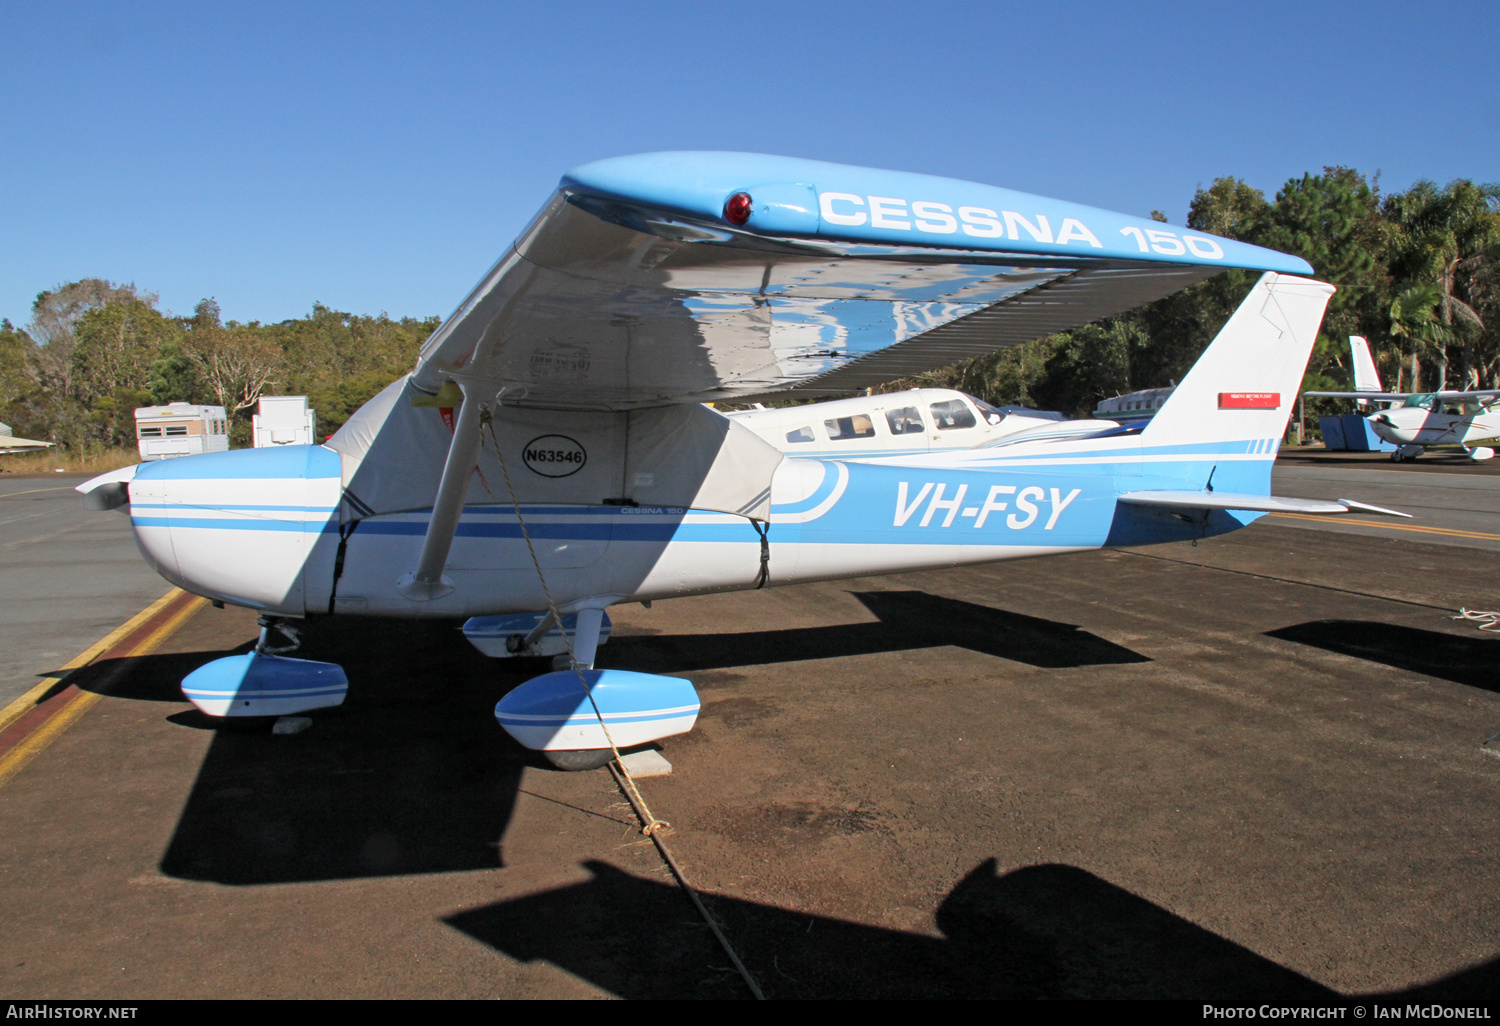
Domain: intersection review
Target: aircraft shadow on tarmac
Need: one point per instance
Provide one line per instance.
(412, 774)
(907, 620)
(1051, 931)
(1463, 660)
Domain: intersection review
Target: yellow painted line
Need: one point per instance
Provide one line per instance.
(1450, 532)
(33, 491)
(27, 702)
(16, 759)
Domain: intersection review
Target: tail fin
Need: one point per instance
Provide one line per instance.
(1366, 377)
(1245, 384)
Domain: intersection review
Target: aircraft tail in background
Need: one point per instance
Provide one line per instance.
(1366, 377)
(1244, 386)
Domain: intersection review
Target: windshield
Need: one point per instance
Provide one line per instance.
(1425, 401)
(990, 414)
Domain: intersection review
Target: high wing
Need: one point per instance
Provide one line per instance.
(10, 443)
(686, 277)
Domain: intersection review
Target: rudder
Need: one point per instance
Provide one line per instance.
(1243, 387)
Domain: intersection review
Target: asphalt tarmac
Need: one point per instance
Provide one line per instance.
(1250, 770)
(67, 577)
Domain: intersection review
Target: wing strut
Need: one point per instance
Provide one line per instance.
(427, 581)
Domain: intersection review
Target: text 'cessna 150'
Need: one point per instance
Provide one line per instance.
(574, 379)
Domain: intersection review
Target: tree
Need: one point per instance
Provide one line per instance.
(1088, 364)
(115, 346)
(173, 377)
(55, 314)
(1444, 238)
(1334, 222)
(112, 418)
(1228, 208)
(1415, 319)
(236, 364)
(17, 356)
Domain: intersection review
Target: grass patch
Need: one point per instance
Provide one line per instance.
(47, 461)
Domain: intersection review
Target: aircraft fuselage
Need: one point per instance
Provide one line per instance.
(1413, 425)
(287, 544)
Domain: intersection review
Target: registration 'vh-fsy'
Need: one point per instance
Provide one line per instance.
(554, 451)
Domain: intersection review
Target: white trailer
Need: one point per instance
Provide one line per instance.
(284, 420)
(180, 429)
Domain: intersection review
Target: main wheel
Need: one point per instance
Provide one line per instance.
(580, 759)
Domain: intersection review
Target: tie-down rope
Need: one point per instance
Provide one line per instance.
(1487, 621)
(650, 825)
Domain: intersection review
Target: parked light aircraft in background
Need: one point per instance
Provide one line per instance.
(10, 443)
(890, 424)
(1412, 421)
(551, 454)
(1134, 406)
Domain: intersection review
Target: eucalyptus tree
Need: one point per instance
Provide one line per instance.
(54, 317)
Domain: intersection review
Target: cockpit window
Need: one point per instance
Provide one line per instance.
(1425, 401)
(905, 421)
(952, 414)
(857, 426)
(802, 434)
(988, 412)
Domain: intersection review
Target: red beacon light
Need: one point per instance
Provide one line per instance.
(737, 209)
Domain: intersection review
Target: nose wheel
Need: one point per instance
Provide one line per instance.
(265, 682)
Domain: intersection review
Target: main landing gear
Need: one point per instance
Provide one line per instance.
(577, 716)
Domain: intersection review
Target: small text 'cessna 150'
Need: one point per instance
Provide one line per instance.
(574, 379)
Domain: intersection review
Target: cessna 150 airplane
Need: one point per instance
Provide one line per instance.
(551, 454)
(1412, 421)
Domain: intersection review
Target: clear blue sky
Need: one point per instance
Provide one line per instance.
(380, 156)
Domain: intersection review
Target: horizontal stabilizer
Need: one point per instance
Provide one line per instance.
(1482, 393)
(1251, 503)
(1366, 508)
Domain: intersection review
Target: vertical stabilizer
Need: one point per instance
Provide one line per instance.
(1366, 377)
(1245, 384)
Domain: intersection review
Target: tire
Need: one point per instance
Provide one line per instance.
(580, 759)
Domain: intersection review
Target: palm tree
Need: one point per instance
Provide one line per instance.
(1445, 238)
(1415, 318)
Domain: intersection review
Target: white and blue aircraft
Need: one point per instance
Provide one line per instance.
(551, 455)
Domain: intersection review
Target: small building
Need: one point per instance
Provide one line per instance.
(284, 420)
(180, 429)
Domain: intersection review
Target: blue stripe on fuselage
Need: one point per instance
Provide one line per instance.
(1069, 504)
